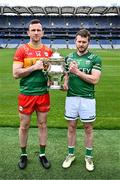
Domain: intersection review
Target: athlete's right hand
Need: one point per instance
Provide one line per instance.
(38, 65)
(65, 86)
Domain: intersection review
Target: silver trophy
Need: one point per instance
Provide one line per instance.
(54, 67)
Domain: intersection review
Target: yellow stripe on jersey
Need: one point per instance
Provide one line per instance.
(30, 61)
(17, 62)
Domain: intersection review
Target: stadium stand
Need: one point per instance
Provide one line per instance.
(61, 24)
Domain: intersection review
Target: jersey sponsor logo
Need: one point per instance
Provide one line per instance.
(87, 62)
(29, 54)
(38, 53)
(85, 70)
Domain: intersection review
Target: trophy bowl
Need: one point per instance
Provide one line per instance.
(54, 67)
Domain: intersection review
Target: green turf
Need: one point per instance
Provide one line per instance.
(106, 155)
(107, 93)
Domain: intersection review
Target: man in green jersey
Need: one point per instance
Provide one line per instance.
(34, 95)
(84, 71)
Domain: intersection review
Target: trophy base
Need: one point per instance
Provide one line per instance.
(55, 87)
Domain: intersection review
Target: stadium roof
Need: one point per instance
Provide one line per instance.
(64, 10)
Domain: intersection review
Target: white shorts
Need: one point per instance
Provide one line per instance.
(78, 107)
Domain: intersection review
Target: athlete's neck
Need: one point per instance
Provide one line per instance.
(34, 45)
(82, 53)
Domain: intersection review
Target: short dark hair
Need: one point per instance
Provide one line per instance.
(83, 33)
(34, 21)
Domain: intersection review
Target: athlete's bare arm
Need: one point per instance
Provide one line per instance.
(19, 71)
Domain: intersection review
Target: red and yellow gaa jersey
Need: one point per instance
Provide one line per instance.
(36, 82)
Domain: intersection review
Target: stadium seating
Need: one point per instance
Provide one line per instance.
(60, 30)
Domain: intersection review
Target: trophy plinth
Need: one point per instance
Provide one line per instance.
(55, 69)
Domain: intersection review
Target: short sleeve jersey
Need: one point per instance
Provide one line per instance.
(36, 82)
(86, 62)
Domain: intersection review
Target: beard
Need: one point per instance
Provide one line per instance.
(82, 49)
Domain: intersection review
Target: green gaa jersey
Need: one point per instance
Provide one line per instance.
(86, 62)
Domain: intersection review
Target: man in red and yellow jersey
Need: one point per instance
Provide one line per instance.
(34, 95)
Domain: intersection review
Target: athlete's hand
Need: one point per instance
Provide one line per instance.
(65, 86)
(38, 65)
(73, 68)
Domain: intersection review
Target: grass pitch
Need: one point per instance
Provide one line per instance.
(107, 93)
(106, 155)
(106, 142)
